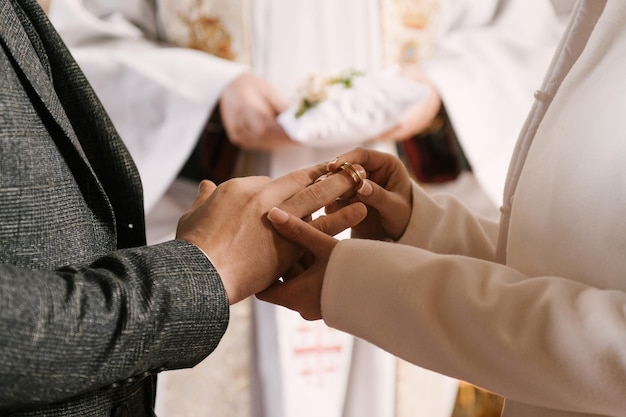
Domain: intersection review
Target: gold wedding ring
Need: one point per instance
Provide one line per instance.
(351, 170)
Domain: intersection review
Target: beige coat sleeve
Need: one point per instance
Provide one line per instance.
(444, 225)
(536, 340)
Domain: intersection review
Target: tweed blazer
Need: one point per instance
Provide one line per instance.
(88, 314)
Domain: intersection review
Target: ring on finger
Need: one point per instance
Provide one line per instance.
(354, 174)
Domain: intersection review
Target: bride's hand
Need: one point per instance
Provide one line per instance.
(386, 192)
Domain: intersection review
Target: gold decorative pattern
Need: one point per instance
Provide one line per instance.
(409, 28)
(208, 33)
(218, 27)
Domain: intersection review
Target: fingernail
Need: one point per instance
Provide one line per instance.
(332, 162)
(366, 189)
(277, 216)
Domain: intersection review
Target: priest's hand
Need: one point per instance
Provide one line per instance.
(422, 116)
(230, 225)
(248, 109)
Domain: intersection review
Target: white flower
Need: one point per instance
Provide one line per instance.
(316, 89)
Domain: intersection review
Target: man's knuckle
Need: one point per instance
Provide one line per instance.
(300, 177)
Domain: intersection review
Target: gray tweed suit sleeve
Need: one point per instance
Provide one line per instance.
(81, 328)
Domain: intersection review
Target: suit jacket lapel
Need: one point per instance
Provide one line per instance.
(68, 96)
(23, 52)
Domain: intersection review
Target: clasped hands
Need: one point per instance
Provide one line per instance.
(255, 229)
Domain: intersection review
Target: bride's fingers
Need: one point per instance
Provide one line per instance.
(341, 219)
(394, 211)
(292, 228)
